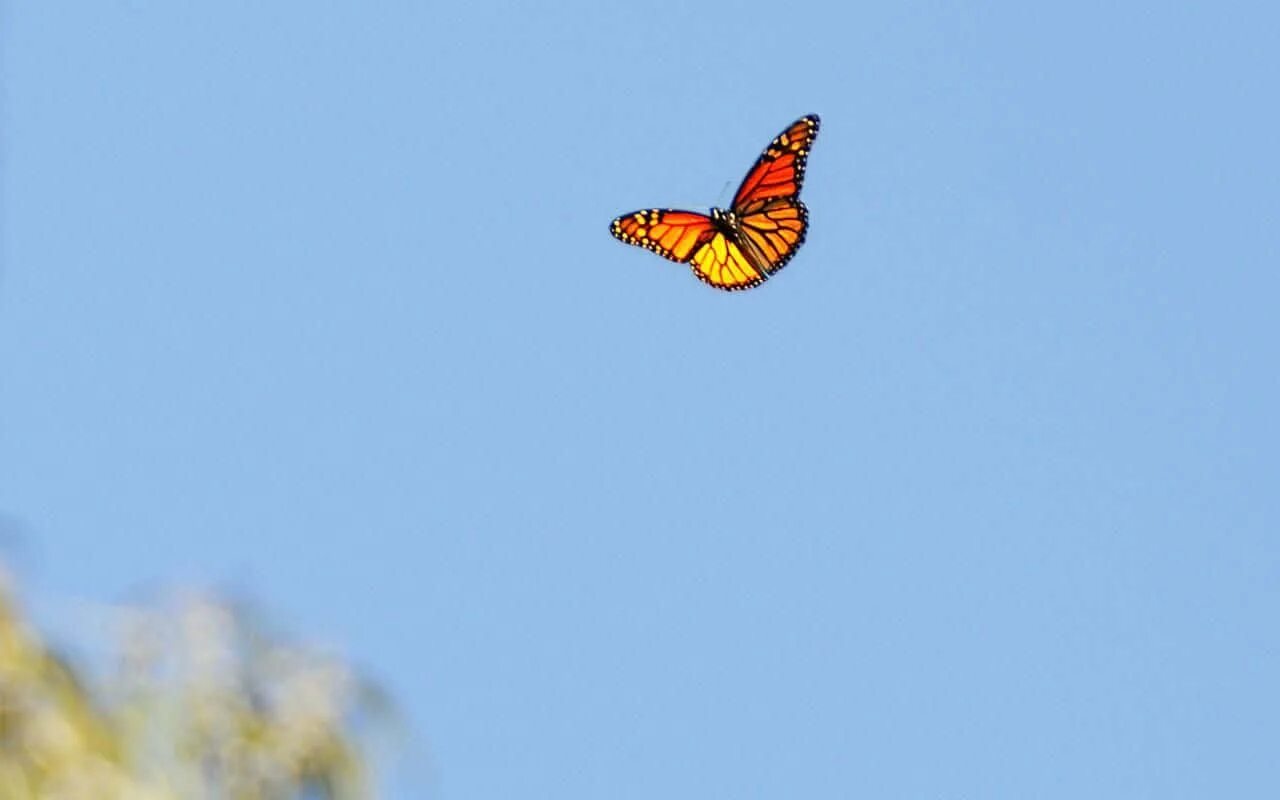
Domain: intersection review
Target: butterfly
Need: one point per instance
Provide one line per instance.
(742, 246)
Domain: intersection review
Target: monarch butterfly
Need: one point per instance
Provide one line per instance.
(756, 236)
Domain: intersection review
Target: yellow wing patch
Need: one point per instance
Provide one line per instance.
(722, 264)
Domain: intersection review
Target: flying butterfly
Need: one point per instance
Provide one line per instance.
(744, 245)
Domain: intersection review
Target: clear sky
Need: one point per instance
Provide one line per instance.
(978, 498)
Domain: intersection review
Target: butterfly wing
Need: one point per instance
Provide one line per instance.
(772, 233)
(723, 264)
(779, 171)
(672, 234)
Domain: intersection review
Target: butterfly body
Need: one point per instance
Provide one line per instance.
(743, 245)
(726, 220)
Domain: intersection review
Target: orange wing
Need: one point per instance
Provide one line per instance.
(669, 233)
(779, 172)
(771, 234)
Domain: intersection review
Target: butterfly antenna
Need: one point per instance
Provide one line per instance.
(723, 192)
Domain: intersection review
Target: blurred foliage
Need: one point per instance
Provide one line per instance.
(193, 702)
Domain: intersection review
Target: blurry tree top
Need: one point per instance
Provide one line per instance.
(195, 703)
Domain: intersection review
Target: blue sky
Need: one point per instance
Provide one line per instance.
(977, 498)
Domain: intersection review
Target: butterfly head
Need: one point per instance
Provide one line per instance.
(724, 219)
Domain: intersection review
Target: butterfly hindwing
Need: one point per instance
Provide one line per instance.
(775, 231)
(669, 233)
(723, 264)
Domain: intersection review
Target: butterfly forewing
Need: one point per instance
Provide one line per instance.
(669, 233)
(779, 171)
